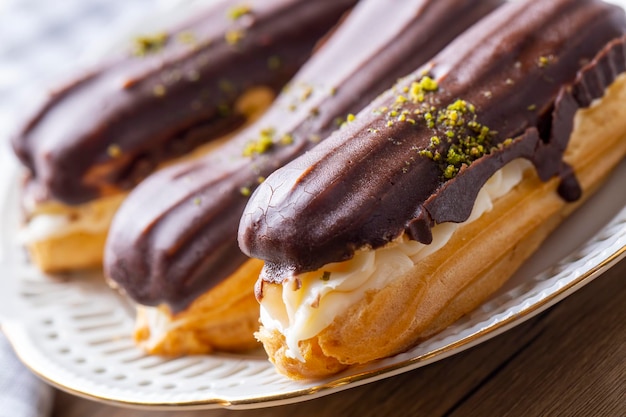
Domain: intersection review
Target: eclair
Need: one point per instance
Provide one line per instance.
(410, 217)
(175, 253)
(160, 97)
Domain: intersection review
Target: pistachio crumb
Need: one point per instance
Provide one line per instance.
(450, 172)
(159, 90)
(286, 139)
(245, 191)
(187, 38)
(114, 151)
(149, 44)
(306, 93)
(233, 37)
(236, 12)
(428, 84)
(262, 144)
(543, 61)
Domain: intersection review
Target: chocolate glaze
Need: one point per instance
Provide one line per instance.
(162, 104)
(170, 247)
(368, 184)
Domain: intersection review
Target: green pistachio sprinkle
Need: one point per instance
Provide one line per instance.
(532, 107)
(245, 191)
(315, 138)
(187, 38)
(149, 44)
(401, 99)
(233, 37)
(543, 61)
(197, 201)
(236, 12)
(306, 93)
(262, 144)
(114, 151)
(450, 172)
(260, 180)
(159, 90)
(464, 139)
(286, 139)
(274, 62)
(351, 118)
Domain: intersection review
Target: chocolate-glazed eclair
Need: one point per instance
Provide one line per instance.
(177, 250)
(168, 93)
(394, 227)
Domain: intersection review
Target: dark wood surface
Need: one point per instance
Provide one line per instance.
(568, 361)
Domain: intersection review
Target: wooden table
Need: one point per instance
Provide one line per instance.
(568, 361)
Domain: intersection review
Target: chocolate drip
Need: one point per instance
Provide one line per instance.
(104, 132)
(169, 247)
(508, 79)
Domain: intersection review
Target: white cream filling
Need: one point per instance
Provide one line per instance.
(160, 323)
(91, 218)
(314, 299)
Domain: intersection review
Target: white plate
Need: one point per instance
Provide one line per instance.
(74, 332)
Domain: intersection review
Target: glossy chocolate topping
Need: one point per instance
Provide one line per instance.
(419, 154)
(175, 235)
(169, 93)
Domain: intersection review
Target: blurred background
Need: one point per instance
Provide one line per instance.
(42, 41)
